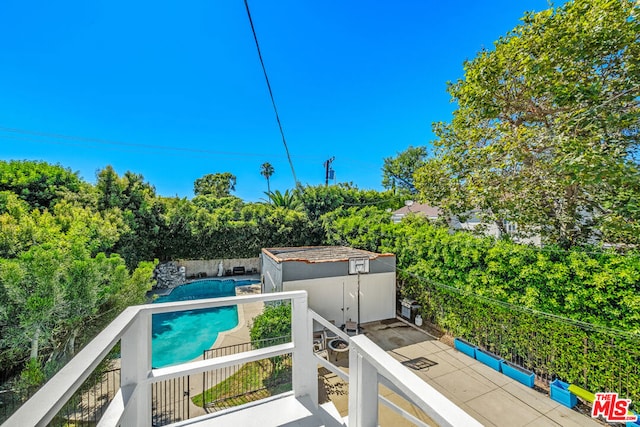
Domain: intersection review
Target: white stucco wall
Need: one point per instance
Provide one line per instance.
(335, 298)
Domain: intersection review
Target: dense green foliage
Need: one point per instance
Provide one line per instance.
(580, 354)
(320, 200)
(60, 278)
(135, 201)
(546, 133)
(38, 183)
(215, 184)
(273, 322)
(599, 287)
(397, 172)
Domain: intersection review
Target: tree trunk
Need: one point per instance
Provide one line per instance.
(34, 343)
(71, 344)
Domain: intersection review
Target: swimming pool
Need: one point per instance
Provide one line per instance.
(183, 336)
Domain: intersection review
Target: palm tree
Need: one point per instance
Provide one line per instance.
(287, 200)
(267, 170)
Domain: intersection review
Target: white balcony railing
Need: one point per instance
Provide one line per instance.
(131, 406)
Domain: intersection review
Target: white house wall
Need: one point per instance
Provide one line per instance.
(335, 298)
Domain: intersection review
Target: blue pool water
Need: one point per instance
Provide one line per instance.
(183, 336)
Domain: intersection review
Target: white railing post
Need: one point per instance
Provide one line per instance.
(305, 378)
(135, 367)
(363, 391)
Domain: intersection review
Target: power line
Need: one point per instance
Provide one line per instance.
(102, 141)
(273, 101)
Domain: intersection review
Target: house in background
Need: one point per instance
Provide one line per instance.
(343, 284)
(472, 222)
(410, 207)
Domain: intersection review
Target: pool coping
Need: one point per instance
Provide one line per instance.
(242, 321)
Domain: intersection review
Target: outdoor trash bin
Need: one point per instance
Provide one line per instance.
(409, 309)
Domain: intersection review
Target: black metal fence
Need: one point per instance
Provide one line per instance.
(597, 359)
(84, 409)
(170, 401)
(9, 402)
(235, 385)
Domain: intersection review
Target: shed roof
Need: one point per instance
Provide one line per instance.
(319, 254)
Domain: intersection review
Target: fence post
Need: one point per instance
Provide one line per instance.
(305, 370)
(135, 367)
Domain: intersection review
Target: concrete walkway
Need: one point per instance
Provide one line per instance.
(487, 395)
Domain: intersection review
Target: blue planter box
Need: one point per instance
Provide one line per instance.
(634, 424)
(465, 347)
(518, 373)
(489, 359)
(561, 394)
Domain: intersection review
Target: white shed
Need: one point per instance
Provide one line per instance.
(332, 276)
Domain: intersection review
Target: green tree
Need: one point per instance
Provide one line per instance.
(215, 184)
(212, 203)
(141, 211)
(110, 189)
(359, 227)
(40, 184)
(397, 172)
(53, 296)
(143, 215)
(546, 130)
(177, 236)
(267, 170)
(271, 226)
(273, 322)
(319, 200)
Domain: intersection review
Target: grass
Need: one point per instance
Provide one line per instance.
(253, 381)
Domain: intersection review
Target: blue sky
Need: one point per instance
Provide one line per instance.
(174, 90)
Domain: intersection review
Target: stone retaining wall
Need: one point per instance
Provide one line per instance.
(168, 275)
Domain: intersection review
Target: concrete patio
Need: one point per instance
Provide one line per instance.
(487, 395)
